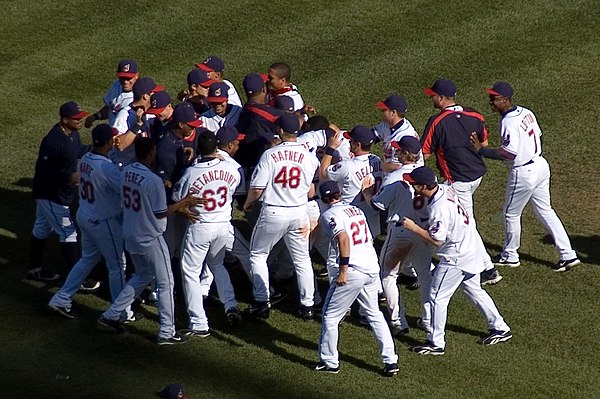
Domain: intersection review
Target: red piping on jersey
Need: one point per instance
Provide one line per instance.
(274, 93)
(191, 136)
(443, 164)
(426, 147)
(261, 112)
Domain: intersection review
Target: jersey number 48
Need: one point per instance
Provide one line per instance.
(289, 178)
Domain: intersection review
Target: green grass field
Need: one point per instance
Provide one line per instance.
(345, 56)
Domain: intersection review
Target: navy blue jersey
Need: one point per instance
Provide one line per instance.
(257, 122)
(171, 159)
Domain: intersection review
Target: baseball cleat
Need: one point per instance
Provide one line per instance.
(565, 265)
(422, 325)
(306, 313)
(135, 316)
(63, 311)
(498, 260)
(40, 274)
(322, 367)
(490, 277)
(174, 340)
(259, 310)
(196, 333)
(89, 286)
(428, 349)
(114, 325)
(398, 330)
(391, 369)
(234, 316)
(495, 337)
(277, 297)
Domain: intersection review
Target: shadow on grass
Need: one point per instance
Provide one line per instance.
(496, 249)
(587, 247)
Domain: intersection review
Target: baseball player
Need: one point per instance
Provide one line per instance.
(55, 175)
(283, 181)
(350, 174)
(215, 66)
(222, 113)
(144, 221)
(279, 84)
(355, 277)
(402, 246)
(528, 178)
(99, 218)
(198, 83)
(162, 109)
(119, 94)
(215, 181)
(454, 236)
(447, 135)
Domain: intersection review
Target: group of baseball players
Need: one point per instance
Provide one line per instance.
(160, 180)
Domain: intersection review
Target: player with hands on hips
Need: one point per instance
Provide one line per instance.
(528, 178)
(282, 179)
(455, 238)
(355, 277)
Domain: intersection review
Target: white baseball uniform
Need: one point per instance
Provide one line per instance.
(125, 119)
(232, 95)
(402, 246)
(284, 173)
(213, 121)
(404, 128)
(315, 139)
(362, 283)
(143, 199)
(460, 263)
(116, 99)
(206, 240)
(528, 179)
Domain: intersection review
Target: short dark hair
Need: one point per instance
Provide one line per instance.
(331, 197)
(365, 147)
(143, 147)
(316, 122)
(207, 143)
(282, 70)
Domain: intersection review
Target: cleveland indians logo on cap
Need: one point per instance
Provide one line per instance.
(206, 61)
(218, 92)
(154, 103)
(126, 67)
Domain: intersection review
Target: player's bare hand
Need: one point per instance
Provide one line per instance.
(368, 182)
(139, 113)
(189, 153)
(75, 178)
(168, 183)
(342, 278)
(248, 206)
(408, 223)
(335, 141)
(190, 215)
(475, 141)
(309, 109)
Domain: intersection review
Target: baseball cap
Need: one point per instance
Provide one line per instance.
(217, 92)
(285, 103)
(158, 102)
(102, 133)
(72, 110)
(289, 123)
(501, 89)
(173, 391)
(422, 175)
(328, 189)
(408, 143)
(361, 134)
(254, 82)
(227, 134)
(212, 63)
(127, 69)
(397, 103)
(442, 87)
(184, 112)
(199, 77)
(144, 86)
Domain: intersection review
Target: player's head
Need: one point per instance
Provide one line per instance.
(103, 137)
(145, 150)
(71, 116)
(361, 139)
(173, 391)
(198, 82)
(284, 103)
(143, 90)
(185, 120)
(316, 122)
(393, 109)
(407, 148)
(207, 143)
(500, 96)
(218, 96)
(254, 86)
(160, 105)
(279, 76)
(423, 180)
(442, 93)
(288, 127)
(329, 192)
(228, 139)
(214, 66)
(127, 72)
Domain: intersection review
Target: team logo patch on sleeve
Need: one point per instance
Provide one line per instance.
(336, 167)
(434, 229)
(332, 224)
(506, 141)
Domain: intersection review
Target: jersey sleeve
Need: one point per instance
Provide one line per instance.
(181, 188)
(113, 176)
(121, 121)
(384, 198)
(438, 224)
(332, 225)
(158, 198)
(338, 172)
(262, 173)
(241, 187)
(429, 138)
(509, 139)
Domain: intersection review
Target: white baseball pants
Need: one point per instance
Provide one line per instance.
(49, 217)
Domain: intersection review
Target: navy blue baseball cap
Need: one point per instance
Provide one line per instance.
(289, 123)
(422, 175)
(199, 77)
(184, 112)
(501, 89)
(394, 102)
(361, 134)
(254, 82)
(408, 143)
(102, 133)
(227, 134)
(127, 69)
(158, 102)
(72, 110)
(442, 87)
(212, 63)
(284, 103)
(145, 86)
(327, 189)
(217, 92)
(173, 391)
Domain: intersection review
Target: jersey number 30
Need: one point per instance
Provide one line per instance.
(289, 178)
